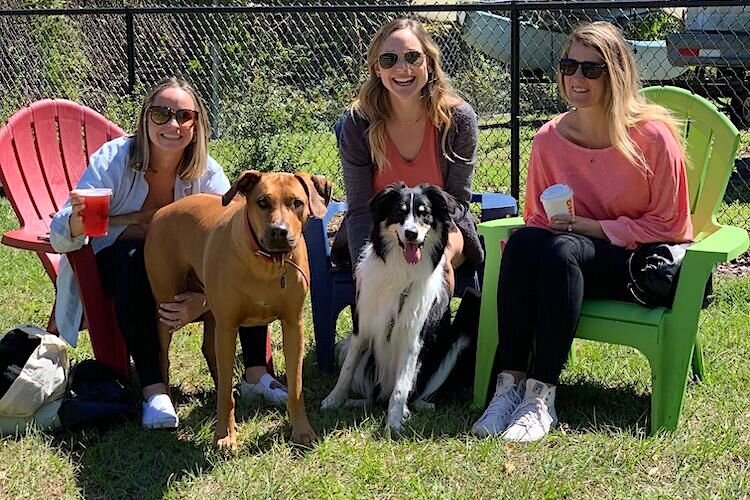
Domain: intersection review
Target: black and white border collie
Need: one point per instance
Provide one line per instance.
(399, 348)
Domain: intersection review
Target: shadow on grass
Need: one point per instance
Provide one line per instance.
(452, 415)
(123, 460)
(120, 459)
(591, 407)
(585, 407)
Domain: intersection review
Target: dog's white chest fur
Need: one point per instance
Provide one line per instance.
(394, 305)
(402, 299)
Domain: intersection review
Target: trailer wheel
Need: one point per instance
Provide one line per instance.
(740, 110)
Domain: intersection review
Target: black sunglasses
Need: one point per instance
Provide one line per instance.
(591, 70)
(387, 60)
(162, 114)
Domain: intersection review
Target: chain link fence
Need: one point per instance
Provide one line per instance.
(275, 77)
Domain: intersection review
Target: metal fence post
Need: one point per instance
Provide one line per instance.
(515, 101)
(214, 109)
(130, 49)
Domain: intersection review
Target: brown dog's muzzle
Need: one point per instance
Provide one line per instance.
(278, 238)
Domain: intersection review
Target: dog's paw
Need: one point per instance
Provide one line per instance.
(304, 435)
(393, 429)
(421, 404)
(333, 400)
(397, 417)
(226, 443)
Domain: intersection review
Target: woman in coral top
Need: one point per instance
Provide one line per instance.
(624, 161)
(407, 124)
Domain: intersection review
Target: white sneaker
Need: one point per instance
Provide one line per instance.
(496, 417)
(267, 388)
(159, 413)
(535, 416)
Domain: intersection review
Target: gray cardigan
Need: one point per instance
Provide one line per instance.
(456, 164)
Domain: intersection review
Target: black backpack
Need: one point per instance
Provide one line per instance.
(95, 395)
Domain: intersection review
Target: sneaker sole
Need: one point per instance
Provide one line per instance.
(162, 424)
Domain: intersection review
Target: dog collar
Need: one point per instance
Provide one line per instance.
(258, 249)
(281, 258)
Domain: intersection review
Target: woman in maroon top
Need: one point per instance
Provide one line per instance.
(408, 124)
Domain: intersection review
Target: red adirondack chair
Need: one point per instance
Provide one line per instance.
(44, 149)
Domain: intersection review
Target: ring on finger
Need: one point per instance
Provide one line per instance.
(570, 227)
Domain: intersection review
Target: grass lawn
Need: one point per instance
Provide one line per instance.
(600, 449)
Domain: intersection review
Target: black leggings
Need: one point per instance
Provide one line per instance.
(544, 278)
(123, 274)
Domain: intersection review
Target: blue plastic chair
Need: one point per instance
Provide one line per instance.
(332, 289)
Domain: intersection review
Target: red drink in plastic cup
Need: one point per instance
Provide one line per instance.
(96, 214)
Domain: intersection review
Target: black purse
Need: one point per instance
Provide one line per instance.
(653, 272)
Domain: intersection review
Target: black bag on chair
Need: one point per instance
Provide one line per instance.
(653, 272)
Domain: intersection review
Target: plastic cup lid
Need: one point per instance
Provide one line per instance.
(556, 191)
(94, 191)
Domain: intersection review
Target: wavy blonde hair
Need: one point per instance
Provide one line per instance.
(438, 96)
(624, 103)
(195, 157)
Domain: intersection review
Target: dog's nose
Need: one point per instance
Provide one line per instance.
(410, 235)
(279, 233)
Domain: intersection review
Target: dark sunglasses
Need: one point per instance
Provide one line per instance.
(162, 114)
(591, 70)
(387, 60)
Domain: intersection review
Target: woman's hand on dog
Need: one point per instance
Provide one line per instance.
(577, 224)
(187, 307)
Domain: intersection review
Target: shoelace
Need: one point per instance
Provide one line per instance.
(497, 403)
(528, 412)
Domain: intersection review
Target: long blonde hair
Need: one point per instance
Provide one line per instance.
(624, 104)
(438, 96)
(195, 157)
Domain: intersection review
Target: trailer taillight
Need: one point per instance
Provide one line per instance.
(688, 52)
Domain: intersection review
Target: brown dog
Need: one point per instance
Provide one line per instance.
(252, 261)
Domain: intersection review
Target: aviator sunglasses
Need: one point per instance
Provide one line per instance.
(591, 70)
(162, 114)
(387, 60)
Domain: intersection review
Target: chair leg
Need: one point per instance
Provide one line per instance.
(485, 358)
(697, 361)
(572, 354)
(668, 383)
(321, 312)
(487, 339)
(325, 338)
(51, 323)
(107, 341)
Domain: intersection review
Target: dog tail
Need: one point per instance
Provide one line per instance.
(363, 379)
(445, 368)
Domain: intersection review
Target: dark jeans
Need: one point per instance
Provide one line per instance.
(544, 278)
(123, 274)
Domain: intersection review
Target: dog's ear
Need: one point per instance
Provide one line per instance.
(318, 190)
(383, 199)
(243, 185)
(440, 199)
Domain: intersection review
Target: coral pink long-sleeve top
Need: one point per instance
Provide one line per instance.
(632, 206)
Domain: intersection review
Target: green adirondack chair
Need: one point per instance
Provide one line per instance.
(667, 337)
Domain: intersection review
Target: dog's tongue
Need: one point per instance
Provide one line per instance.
(412, 253)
